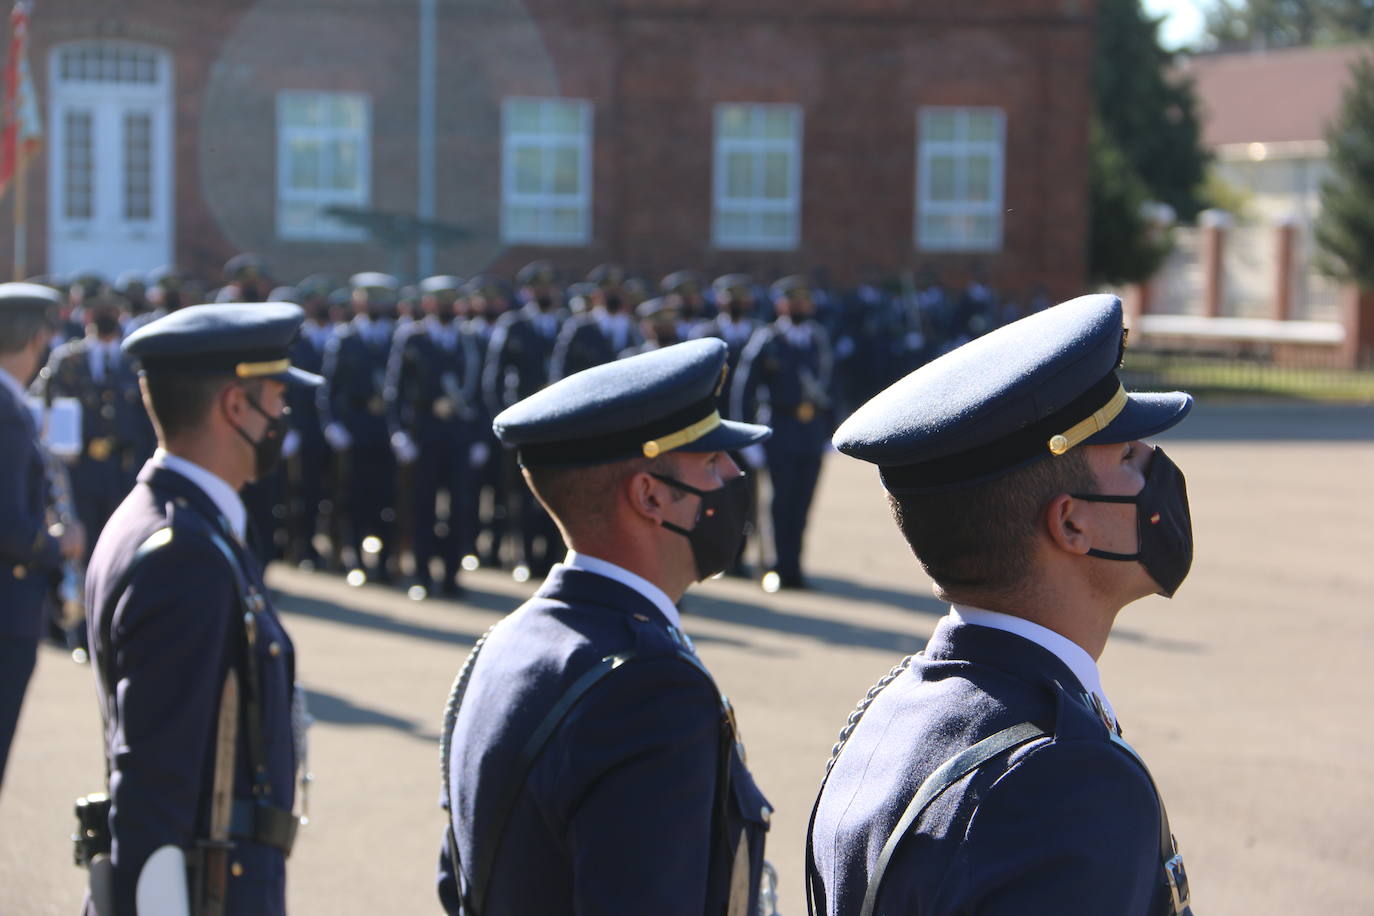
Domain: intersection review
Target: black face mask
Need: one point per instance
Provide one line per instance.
(267, 450)
(545, 302)
(1163, 525)
(722, 522)
(444, 313)
(613, 304)
(106, 325)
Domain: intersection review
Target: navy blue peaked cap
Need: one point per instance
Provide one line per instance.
(28, 297)
(244, 339)
(1030, 390)
(642, 406)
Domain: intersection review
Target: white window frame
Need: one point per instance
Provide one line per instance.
(331, 230)
(960, 149)
(755, 207)
(513, 140)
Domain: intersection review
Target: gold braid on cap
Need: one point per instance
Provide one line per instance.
(655, 447)
(1061, 443)
(254, 370)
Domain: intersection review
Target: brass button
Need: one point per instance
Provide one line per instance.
(274, 649)
(20, 572)
(641, 618)
(236, 869)
(1058, 445)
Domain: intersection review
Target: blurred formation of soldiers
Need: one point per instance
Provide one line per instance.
(392, 473)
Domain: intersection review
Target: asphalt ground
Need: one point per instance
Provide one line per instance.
(1249, 694)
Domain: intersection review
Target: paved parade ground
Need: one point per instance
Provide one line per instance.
(1249, 694)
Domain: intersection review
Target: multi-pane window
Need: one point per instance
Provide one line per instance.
(756, 200)
(322, 161)
(959, 179)
(138, 166)
(546, 180)
(78, 164)
(107, 63)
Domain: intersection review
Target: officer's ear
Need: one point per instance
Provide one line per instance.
(649, 496)
(1068, 525)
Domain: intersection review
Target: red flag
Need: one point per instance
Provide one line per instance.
(21, 132)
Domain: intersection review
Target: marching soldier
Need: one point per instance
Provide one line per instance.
(590, 761)
(734, 321)
(352, 405)
(517, 365)
(988, 774)
(432, 396)
(602, 332)
(658, 324)
(784, 377)
(194, 671)
(306, 451)
(245, 279)
(30, 554)
(488, 299)
(116, 436)
(689, 287)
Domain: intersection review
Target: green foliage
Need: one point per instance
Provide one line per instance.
(1345, 228)
(1230, 25)
(1146, 144)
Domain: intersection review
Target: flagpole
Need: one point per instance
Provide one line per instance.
(21, 222)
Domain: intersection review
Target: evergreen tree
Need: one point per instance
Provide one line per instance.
(1345, 228)
(1146, 143)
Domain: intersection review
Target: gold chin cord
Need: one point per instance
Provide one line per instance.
(1098, 421)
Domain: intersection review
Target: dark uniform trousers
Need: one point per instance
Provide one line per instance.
(353, 394)
(797, 381)
(116, 434)
(1065, 824)
(28, 559)
(516, 366)
(628, 808)
(432, 395)
(173, 634)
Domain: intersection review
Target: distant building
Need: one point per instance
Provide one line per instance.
(757, 135)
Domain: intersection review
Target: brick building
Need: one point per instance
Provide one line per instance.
(763, 135)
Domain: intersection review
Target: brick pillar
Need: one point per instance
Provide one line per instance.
(1285, 251)
(1357, 314)
(1214, 224)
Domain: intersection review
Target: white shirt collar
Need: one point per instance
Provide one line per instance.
(622, 575)
(1074, 656)
(221, 494)
(12, 384)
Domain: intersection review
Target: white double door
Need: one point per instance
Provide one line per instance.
(110, 168)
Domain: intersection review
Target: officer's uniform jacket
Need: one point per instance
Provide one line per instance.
(623, 811)
(519, 354)
(173, 633)
(29, 556)
(308, 353)
(354, 388)
(792, 380)
(432, 389)
(736, 335)
(1069, 823)
(592, 339)
(116, 434)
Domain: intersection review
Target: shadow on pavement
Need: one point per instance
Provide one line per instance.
(768, 618)
(876, 594)
(306, 606)
(1276, 422)
(337, 710)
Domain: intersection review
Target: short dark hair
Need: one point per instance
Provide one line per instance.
(982, 536)
(584, 494)
(178, 403)
(18, 328)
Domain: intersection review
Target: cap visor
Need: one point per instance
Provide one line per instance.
(1145, 415)
(294, 376)
(728, 436)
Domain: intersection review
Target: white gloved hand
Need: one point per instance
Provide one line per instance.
(291, 443)
(404, 447)
(754, 456)
(338, 437)
(478, 454)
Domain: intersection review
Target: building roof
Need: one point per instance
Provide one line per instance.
(1285, 95)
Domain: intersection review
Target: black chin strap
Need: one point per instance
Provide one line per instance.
(1107, 498)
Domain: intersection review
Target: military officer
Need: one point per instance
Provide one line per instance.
(658, 324)
(488, 298)
(352, 406)
(306, 451)
(784, 377)
(516, 366)
(689, 287)
(602, 332)
(988, 774)
(734, 321)
(245, 279)
(194, 670)
(30, 553)
(432, 406)
(116, 436)
(591, 764)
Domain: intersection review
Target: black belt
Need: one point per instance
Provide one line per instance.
(265, 824)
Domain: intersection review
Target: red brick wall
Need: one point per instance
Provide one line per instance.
(654, 70)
